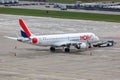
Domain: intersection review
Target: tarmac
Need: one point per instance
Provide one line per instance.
(19, 61)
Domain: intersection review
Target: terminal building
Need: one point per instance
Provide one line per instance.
(8, 1)
(100, 6)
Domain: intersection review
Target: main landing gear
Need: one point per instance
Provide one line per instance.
(67, 49)
(52, 49)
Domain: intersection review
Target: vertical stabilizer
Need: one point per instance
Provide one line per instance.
(25, 31)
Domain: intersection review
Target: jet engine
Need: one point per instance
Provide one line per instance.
(81, 46)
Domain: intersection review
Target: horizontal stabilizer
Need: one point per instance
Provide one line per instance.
(10, 37)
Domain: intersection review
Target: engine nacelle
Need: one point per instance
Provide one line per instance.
(81, 46)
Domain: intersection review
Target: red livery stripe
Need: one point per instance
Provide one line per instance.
(24, 27)
(85, 37)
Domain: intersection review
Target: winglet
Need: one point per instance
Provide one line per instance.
(24, 27)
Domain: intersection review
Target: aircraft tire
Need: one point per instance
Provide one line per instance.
(52, 49)
(67, 49)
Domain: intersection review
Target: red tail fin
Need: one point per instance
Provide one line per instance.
(24, 27)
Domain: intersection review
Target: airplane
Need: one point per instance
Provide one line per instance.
(78, 40)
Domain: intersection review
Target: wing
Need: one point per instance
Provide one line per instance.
(78, 45)
(66, 43)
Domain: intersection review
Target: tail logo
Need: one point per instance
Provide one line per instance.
(25, 32)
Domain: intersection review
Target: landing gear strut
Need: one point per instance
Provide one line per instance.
(90, 46)
(52, 49)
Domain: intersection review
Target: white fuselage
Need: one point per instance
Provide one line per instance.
(61, 39)
(78, 40)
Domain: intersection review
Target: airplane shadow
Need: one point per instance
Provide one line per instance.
(73, 51)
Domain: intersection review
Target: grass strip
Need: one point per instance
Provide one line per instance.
(61, 14)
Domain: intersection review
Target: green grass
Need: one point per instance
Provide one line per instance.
(72, 1)
(61, 14)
